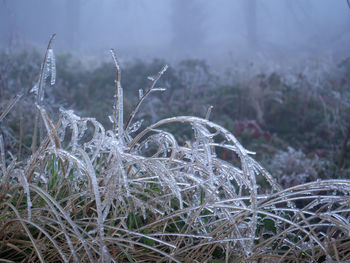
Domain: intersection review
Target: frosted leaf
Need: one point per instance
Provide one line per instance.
(46, 71)
(96, 192)
(159, 89)
(51, 60)
(77, 126)
(35, 89)
(50, 67)
(82, 127)
(207, 115)
(151, 78)
(120, 123)
(46, 123)
(22, 179)
(2, 155)
(115, 60)
(278, 100)
(140, 93)
(10, 105)
(164, 69)
(41, 95)
(111, 119)
(135, 126)
(43, 178)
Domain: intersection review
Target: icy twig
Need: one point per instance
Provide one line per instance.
(144, 95)
(118, 122)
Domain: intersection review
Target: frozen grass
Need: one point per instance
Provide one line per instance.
(132, 195)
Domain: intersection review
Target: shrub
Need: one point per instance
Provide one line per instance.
(294, 167)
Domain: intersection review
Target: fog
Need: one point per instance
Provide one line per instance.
(221, 30)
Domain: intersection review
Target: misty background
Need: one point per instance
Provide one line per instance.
(220, 31)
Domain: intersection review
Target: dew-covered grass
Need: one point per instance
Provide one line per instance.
(134, 194)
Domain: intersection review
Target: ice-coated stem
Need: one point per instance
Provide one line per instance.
(38, 97)
(118, 122)
(10, 105)
(2, 157)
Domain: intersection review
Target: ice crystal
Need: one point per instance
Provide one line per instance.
(140, 94)
(51, 66)
(35, 89)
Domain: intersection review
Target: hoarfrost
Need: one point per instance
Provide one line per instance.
(24, 182)
(140, 93)
(2, 156)
(135, 127)
(207, 115)
(51, 65)
(159, 89)
(111, 119)
(35, 89)
(115, 60)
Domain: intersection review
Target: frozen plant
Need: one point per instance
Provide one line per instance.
(293, 167)
(134, 195)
